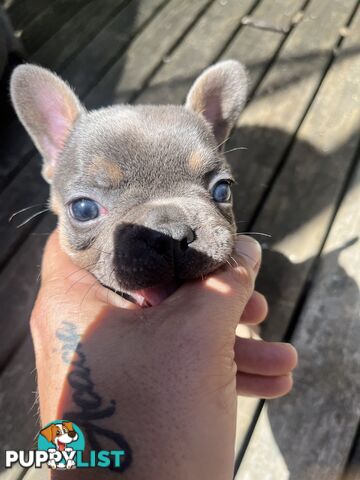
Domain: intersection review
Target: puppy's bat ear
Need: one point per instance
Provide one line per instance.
(48, 109)
(219, 95)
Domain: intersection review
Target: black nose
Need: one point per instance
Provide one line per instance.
(146, 256)
(72, 434)
(170, 237)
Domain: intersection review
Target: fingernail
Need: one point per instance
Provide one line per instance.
(249, 249)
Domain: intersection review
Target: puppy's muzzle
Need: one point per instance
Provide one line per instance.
(146, 256)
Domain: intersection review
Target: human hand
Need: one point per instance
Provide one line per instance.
(165, 376)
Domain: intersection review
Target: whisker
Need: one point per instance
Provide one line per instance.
(83, 276)
(229, 263)
(252, 233)
(101, 251)
(83, 268)
(32, 217)
(25, 209)
(234, 149)
(234, 260)
(222, 143)
(88, 291)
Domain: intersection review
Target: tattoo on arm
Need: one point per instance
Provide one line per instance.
(89, 402)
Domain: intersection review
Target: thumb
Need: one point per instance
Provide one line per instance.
(224, 293)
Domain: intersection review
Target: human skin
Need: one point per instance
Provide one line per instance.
(164, 378)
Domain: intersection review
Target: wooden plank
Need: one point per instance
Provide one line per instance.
(17, 400)
(276, 16)
(82, 72)
(28, 188)
(19, 407)
(36, 474)
(170, 85)
(15, 473)
(255, 47)
(76, 33)
(20, 280)
(130, 72)
(200, 47)
(22, 12)
(315, 425)
(48, 22)
(309, 185)
(267, 125)
(55, 54)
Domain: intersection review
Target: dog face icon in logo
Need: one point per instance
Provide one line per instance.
(60, 434)
(62, 437)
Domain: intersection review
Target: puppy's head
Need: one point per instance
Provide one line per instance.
(142, 193)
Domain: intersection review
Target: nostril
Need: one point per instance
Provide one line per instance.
(189, 237)
(169, 237)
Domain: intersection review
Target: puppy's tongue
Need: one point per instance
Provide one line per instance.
(152, 296)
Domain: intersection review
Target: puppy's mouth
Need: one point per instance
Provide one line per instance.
(151, 296)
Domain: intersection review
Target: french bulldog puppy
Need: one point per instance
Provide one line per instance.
(142, 193)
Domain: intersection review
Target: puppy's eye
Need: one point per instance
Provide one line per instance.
(84, 209)
(221, 191)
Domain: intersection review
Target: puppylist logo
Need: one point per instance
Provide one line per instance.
(61, 446)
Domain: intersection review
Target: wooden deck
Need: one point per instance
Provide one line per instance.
(298, 180)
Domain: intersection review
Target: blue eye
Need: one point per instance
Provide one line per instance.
(221, 192)
(84, 209)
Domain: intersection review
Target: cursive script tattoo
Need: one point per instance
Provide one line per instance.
(90, 403)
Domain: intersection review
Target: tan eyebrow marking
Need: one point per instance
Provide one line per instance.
(108, 170)
(55, 204)
(196, 162)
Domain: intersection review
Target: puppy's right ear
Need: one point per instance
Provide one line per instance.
(219, 95)
(48, 109)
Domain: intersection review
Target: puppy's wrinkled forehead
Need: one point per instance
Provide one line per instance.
(152, 147)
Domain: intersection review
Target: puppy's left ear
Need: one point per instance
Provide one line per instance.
(48, 109)
(219, 95)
